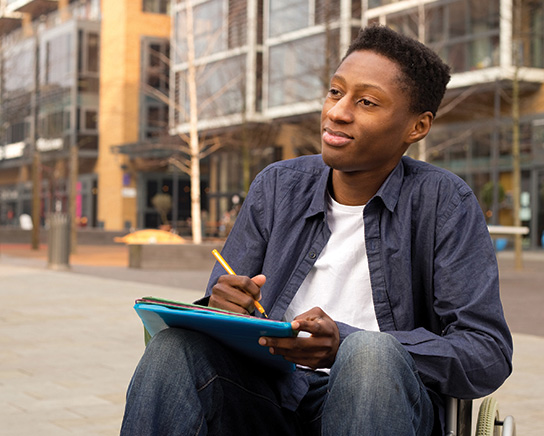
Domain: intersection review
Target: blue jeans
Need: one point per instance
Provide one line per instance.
(188, 384)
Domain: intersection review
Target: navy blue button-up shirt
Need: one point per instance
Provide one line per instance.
(433, 270)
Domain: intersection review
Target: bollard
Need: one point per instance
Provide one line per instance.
(59, 241)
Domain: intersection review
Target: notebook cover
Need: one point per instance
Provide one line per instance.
(240, 332)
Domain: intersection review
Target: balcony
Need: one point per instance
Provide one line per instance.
(9, 22)
(528, 77)
(33, 7)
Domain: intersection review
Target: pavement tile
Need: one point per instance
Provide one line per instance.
(17, 425)
(73, 342)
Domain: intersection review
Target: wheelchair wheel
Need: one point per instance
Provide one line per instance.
(487, 416)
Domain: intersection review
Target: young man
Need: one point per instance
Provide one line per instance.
(384, 264)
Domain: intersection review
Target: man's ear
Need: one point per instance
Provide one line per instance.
(421, 127)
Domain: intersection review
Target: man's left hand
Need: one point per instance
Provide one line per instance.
(316, 351)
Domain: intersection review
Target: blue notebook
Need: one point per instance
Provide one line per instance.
(240, 332)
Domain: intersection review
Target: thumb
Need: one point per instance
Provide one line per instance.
(259, 280)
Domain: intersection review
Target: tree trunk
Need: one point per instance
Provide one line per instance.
(516, 170)
(196, 219)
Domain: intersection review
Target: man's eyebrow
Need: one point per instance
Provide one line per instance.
(360, 86)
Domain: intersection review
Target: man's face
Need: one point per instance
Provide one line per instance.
(366, 121)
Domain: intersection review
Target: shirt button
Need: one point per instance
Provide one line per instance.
(312, 255)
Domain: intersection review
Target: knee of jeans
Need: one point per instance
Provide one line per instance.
(368, 350)
(171, 343)
(166, 338)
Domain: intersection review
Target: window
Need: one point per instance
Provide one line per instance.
(328, 10)
(208, 25)
(405, 23)
(535, 44)
(91, 120)
(156, 69)
(538, 140)
(156, 6)
(51, 125)
(260, 13)
(88, 55)
(299, 71)
(156, 74)
(526, 139)
(88, 52)
(19, 66)
(481, 145)
(57, 62)
(219, 25)
(17, 132)
(440, 142)
(180, 108)
(156, 120)
(465, 34)
(221, 89)
(356, 9)
(435, 28)
(237, 27)
(157, 65)
(92, 52)
(288, 15)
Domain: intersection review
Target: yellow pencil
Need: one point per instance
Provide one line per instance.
(228, 269)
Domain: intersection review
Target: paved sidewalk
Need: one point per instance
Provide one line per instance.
(71, 340)
(70, 343)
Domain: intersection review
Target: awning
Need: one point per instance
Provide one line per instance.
(158, 149)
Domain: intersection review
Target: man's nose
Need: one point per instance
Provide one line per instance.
(341, 111)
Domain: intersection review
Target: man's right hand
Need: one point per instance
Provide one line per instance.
(237, 293)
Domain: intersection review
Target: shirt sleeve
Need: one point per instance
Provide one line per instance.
(245, 246)
(471, 356)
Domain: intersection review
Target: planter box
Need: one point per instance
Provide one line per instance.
(172, 256)
(16, 235)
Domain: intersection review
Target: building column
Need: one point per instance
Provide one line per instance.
(123, 25)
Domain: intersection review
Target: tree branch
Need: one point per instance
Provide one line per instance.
(459, 99)
(181, 163)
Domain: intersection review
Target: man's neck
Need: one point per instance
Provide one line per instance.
(355, 188)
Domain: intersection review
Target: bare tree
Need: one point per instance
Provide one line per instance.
(194, 145)
(220, 93)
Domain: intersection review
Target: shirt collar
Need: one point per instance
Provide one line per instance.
(389, 192)
(319, 199)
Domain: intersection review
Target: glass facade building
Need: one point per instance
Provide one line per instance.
(276, 71)
(49, 106)
(262, 70)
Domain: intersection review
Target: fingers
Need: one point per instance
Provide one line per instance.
(237, 293)
(316, 322)
(316, 327)
(314, 313)
(316, 351)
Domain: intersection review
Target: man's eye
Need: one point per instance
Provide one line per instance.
(366, 102)
(334, 92)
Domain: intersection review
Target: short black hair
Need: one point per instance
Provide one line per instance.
(425, 75)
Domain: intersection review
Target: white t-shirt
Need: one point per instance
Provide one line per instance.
(339, 281)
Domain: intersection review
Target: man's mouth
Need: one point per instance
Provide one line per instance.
(335, 138)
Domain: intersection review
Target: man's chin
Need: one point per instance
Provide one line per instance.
(334, 163)
(327, 158)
